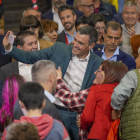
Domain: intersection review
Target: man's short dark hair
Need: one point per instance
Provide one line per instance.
(66, 7)
(32, 95)
(31, 22)
(83, 20)
(113, 25)
(20, 37)
(91, 32)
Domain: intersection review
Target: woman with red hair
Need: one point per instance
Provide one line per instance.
(97, 110)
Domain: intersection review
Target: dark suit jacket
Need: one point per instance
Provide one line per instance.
(48, 109)
(60, 54)
(128, 60)
(49, 14)
(3, 59)
(107, 10)
(9, 69)
(61, 37)
(98, 47)
(118, 18)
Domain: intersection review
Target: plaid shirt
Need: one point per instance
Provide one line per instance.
(75, 101)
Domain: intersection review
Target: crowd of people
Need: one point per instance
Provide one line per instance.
(74, 73)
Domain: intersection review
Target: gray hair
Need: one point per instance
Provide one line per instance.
(130, 4)
(91, 32)
(29, 8)
(41, 70)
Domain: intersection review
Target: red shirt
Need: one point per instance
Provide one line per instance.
(98, 111)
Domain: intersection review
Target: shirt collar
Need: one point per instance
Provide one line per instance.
(54, 11)
(115, 53)
(49, 96)
(84, 59)
(69, 34)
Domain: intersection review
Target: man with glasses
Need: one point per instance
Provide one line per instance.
(111, 51)
(97, 6)
(53, 14)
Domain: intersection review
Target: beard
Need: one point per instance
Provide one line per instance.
(69, 28)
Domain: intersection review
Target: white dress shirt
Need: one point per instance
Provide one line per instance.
(25, 70)
(57, 20)
(53, 99)
(75, 73)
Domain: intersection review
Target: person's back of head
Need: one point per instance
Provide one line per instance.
(31, 96)
(9, 97)
(22, 131)
(44, 72)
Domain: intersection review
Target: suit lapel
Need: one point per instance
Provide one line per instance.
(120, 56)
(67, 60)
(91, 63)
(15, 68)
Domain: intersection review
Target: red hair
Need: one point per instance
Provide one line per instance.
(114, 71)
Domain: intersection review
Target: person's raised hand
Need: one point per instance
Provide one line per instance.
(59, 73)
(131, 32)
(6, 44)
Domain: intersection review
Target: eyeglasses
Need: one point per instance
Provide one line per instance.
(91, 6)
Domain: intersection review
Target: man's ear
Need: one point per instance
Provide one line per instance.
(91, 46)
(75, 17)
(21, 104)
(43, 104)
(19, 47)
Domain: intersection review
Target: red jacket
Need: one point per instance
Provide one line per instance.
(98, 111)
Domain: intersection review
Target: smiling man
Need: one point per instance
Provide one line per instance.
(26, 41)
(68, 18)
(131, 25)
(111, 51)
(77, 63)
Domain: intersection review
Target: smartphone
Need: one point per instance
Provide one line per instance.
(11, 38)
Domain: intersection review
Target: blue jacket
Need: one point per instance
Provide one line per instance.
(107, 10)
(60, 53)
(118, 18)
(128, 60)
(49, 14)
(98, 47)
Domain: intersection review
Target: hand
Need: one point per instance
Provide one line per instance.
(78, 121)
(115, 114)
(59, 73)
(131, 32)
(6, 44)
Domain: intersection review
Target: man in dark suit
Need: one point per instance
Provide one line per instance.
(3, 59)
(53, 14)
(68, 18)
(111, 51)
(48, 79)
(26, 41)
(77, 63)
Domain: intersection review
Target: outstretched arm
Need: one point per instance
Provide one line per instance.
(26, 57)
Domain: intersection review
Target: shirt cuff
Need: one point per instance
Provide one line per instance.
(8, 51)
